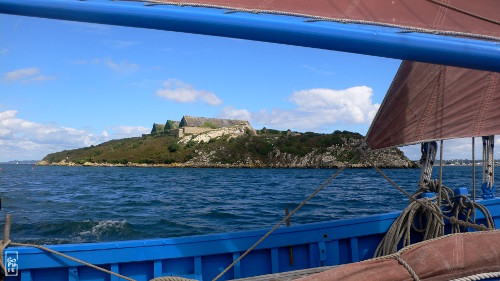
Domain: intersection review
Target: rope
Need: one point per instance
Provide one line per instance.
(398, 254)
(2, 249)
(473, 172)
(488, 167)
(312, 18)
(3, 246)
(479, 276)
(464, 12)
(402, 226)
(393, 183)
(440, 172)
(286, 218)
(453, 220)
(466, 209)
(427, 159)
(445, 193)
(407, 266)
(62, 255)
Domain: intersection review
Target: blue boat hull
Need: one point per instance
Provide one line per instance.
(204, 257)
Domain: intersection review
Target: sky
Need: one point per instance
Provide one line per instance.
(67, 85)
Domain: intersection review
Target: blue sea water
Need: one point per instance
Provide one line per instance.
(54, 205)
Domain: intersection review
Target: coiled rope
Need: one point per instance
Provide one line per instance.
(427, 211)
(465, 209)
(402, 226)
(434, 218)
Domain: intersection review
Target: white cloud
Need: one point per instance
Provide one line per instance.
(454, 149)
(121, 44)
(4, 51)
(22, 139)
(87, 61)
(26, 75)
(316, 109)
(230, 112)
(123, 67)
(93, 28)
(25, 140)
(178, 91)
(129, 131)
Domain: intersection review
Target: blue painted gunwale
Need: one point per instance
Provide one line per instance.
(354, 38)
(203, 257)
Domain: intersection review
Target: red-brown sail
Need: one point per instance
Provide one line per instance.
(431, 102)
(476, 17)
(446, 258)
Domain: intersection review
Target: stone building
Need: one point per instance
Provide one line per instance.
(157, 129)
(195, 125)
(213, 123)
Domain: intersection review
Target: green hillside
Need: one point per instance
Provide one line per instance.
(267, 148)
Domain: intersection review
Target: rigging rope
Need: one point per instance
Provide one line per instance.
(462, 11)
(427, 211)
(286, 217)
(43, 248)
(428, 150)
(488, 186)
(312, 18)
(434, 216)
(8, 243)
(452, 220)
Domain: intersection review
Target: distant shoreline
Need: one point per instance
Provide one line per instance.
(217, 165)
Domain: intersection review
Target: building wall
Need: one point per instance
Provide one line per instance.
(195, 130)
(181, 132)
(178, 133)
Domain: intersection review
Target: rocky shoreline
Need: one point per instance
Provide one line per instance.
(222, 166)
(231, 147)
(287, 161)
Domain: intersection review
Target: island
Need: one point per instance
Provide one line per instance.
(225, 143)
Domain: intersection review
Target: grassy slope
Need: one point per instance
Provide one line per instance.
(163, 149)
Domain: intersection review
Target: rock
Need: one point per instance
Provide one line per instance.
(230, 132)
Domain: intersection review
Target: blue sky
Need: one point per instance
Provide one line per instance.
(67, 85)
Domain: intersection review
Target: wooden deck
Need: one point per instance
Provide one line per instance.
(285, 276)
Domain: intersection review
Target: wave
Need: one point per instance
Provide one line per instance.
(105, 227)
(75, 231)
(221, 215)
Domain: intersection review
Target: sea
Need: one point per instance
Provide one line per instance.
(55, 205)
